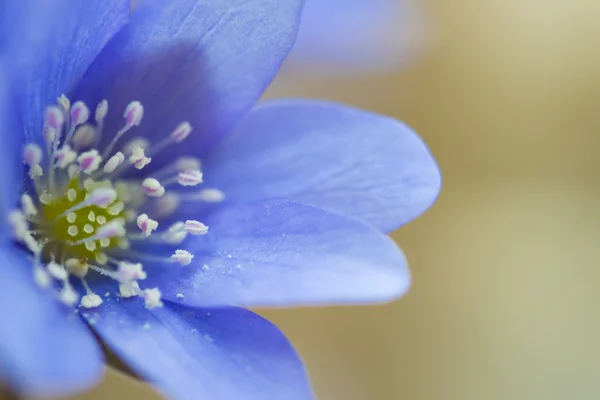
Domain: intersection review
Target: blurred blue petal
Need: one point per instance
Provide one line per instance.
(50, 44)
(191, 354)
(11, 179)
(45, 349)
(339, 158)
(205, 61)
(341, 35)
(283, 253)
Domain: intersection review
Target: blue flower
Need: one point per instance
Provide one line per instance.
(355, 35)
(144, 194)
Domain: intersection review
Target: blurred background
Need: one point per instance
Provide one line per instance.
(506, 264)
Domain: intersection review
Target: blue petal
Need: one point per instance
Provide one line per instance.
(191, 354)
(51, 44)
(45, 349)
(11, 144)
(350, 35)
(284, 253)
(204, 61)
(336, 157)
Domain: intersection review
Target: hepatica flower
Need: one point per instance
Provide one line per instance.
(146, 196)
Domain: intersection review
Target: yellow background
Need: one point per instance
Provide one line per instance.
(506, 268)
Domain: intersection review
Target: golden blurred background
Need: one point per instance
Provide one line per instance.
(505, 265)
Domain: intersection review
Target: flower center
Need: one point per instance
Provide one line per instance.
(83, 215)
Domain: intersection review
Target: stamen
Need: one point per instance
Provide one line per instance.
(146, 224)
(84, 136)
(133, 116)
(32, 154)
(152, 187)
(114, 162)
(65, 156)
(138, 158)
(27, 205)
(183, 257)
(195, 227)
(91, 299)
(101, 111)
(89, 161)
(152, 298)
(190, 178)
(55, 225)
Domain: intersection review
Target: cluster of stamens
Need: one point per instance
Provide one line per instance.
(83, 215)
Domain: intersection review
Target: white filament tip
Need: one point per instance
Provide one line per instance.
(146, 224)
(152, 298)
(183, 257)
(134, 112)
(113, 162)
(32, 154)
(90, 300)
(195, 227)
(181, 132)
(189, 178)
(152, 187)
(79, 113)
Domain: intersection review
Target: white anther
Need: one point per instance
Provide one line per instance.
(91, 216)
(111, 229)
(147, 225)
(189, 178)
(135, 142)
(71, 217)
(27, 205)
(36, 171)
(46, 198)
(32, 154)
(101, 111)
(187, 163)
(54, 119)
(138, 158)
(152, 187)
(31, 243)
(64, 103)
(101, 219)
(84, 135)
(183, 257)
(57, 271)
(175, 234)
(90, 246)
(102, 197)
(128, 272)
(18, 223)
(90, 300)
(152, 298)
(211, 195)
(89, 161)
(68, 295)
(87, 228)
(113, 162)
(41, 277)
(73, 230)
(65, 156)
(195, 227)
(133, 113)
(79, 114)
(166, 205)
(76, 267)
(49, 134)
(129, 289)
(181, 132)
